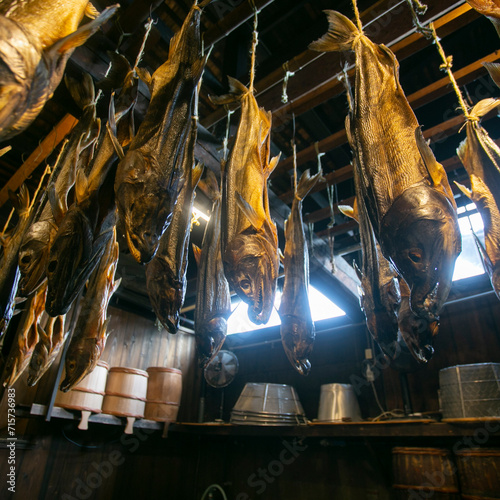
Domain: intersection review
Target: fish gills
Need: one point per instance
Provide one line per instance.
(213, 301)
(297, 326)
(406, 192)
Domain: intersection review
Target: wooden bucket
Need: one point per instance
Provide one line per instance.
(126, 394)
(424, 473)
(164, 394)
(479, 473)
(87, 396)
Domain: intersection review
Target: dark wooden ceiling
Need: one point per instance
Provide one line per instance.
(316, 99)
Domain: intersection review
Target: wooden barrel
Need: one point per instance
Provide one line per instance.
(125, 392)
(424, 473)
(479, 473)
(164, 394)
(88, 394)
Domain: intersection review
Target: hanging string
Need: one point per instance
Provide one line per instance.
(310, 232)
(356, 14)
(148, 27)
(419, 11)
(446, 66)
(318, 156)
(288, 74)
(7, 223)
(331, 191)
(255, 41)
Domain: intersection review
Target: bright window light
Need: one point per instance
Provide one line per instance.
(321, 308)
(469, 262)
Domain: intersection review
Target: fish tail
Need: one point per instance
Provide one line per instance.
(341, 35)
(483, 107)
(236, 93)
(82, 91)
(118, 73)
(306, 183)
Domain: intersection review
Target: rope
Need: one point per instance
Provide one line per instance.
(356, 14)
(294, 147)
(446, 66)
(255, 41)
(288, 74)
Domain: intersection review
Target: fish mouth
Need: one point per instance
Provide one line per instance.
(136, 254)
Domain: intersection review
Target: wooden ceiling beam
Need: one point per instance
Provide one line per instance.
(45, 148)
(312, 86)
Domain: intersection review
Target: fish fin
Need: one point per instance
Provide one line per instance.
(20, 200)
(82, 90)
(211, 186)
(81, 186)
(42, 334)
(342, 33)
(359, 274)
(436, 171)
(272, 165)
(249, 212)
(116, 284)
(91, 12)
(236, 92)
(281, 257)
(82, 34)
(494, 71)
(117, 75)
(496, 23)
(55, 204)
(306, 183)
(484, 107)
(465, 190)
(348, 211)
(197, 253)
(115, 141)
(145, 76)
(198, 68)
(196, 175)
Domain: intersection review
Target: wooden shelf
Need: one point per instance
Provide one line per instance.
(98, 418)
(393, 428)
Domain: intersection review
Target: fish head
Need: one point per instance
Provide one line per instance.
(79, 362)
(144, 205)
(33, 255)
(38, 362)
(421, 237)
(251, 268)
(297, 336)
(70, 259)
(166, 291)
(209, 339)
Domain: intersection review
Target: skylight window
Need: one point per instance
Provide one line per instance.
(321, 308)
(469, 262)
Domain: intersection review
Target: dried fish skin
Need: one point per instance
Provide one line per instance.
(29, 73)
(297, 327)
(166, 273)
(89, 337)
(36, 243)
(146, 184)
(398, 167)
(50, 340)
(213, 300)
(481, 158)
(9, 267)
(249, 236)
(26, 339)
